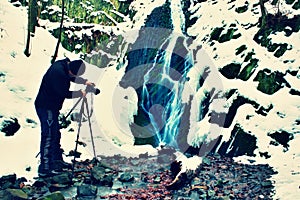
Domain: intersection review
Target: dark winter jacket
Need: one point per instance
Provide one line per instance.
(55, 86)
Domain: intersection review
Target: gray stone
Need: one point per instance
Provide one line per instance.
(53, 196)
(86, 190)
(117, 185)
(15, 194)
(63, 178)
(100, 176)
(126, 177)
(267, 183)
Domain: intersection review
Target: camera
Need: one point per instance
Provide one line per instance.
(92, 89)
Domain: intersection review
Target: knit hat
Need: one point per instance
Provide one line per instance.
(77, 67)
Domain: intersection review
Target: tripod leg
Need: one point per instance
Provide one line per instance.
(74, 107)
(79, 126)
(90, 125)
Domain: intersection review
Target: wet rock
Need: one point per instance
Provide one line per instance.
(126, 177)
(39, 183)
(13, 194)
(53, 196)
(9, 126)
(267, 183)
(157, 180)
(101, 177)
(8, 181)
(164, 159)
(86, 190)
(117, 185)
(206, 161)
(64, 178)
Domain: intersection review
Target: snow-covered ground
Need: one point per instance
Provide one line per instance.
(22, 80)
(23, 76)
(286, 163)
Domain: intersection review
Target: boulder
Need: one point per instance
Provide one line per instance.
(9, 126)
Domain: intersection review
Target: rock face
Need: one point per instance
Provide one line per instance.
(9, 126)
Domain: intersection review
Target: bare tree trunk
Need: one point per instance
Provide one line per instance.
(278, 9)
(263, 14)
(27, 50)
(32, 22)
(60, 31)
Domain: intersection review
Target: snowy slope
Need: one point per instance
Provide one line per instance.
(22, 79)
(219, 15)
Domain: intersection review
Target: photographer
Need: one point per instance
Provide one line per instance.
(53, 91)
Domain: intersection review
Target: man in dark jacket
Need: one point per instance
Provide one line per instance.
(53, 91)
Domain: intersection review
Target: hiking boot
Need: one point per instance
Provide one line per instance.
(46, 174)
(60, 165)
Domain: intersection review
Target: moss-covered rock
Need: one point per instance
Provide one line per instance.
(242, 9)
(248, 70)
(249, 56)
(13, 194)
(215, 34)
(240, 49)
(231, 70)
(289, 2)
(272, 47)
(296, 6)
(270, 82)
(227, 36)
(282, 49)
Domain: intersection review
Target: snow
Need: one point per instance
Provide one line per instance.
(285, 106)
(114, 106)
(22, 80)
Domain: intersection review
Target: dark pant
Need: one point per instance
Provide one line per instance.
(50, 150)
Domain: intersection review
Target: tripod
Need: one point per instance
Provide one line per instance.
(84, 104)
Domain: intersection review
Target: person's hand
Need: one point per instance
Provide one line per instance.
(88, 83)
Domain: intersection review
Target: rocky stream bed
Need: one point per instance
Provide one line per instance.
(146, 177)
